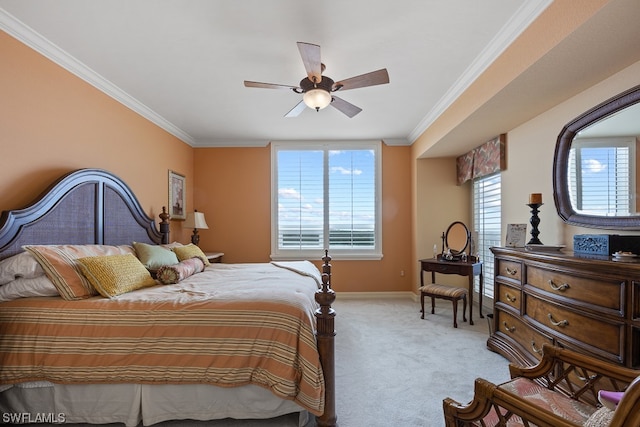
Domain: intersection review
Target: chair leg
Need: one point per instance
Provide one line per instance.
(464, 308)
(422, 304)
(433, 305)
(455, 312)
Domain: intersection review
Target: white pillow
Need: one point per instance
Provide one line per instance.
(22, 265)
(39, 286)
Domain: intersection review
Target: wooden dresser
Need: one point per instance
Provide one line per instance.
(588, 304)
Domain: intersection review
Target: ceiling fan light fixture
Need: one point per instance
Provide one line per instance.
(317, 99)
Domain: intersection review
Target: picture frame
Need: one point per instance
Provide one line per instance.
(516, 235)
(177, 197)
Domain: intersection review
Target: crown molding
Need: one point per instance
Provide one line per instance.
(527, 13)
(18, 30)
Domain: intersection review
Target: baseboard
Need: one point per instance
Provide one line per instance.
(377, 295)
(395, 295)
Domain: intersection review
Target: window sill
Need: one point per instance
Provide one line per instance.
(316, 255)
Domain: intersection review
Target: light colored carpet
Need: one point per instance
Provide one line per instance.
(394, 369)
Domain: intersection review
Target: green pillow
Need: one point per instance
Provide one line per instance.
(153, 256)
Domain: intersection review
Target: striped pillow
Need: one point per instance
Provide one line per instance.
(114, 275)
(60, 265)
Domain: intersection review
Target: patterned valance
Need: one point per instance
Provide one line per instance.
(484, 160)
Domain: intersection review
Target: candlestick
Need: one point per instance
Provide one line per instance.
(535, 221)
(535, 198)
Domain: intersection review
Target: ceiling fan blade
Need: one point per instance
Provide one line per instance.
(248, 83)
(295, 111)
(345, 107)
(310, 54)
(373, 78)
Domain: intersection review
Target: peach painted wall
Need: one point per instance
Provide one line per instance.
(233, 187)
(52, 122)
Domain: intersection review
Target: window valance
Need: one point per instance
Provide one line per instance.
(484, 160)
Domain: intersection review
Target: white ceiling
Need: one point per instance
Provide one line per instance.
(182, 62)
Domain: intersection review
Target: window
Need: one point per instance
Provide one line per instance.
(601, 176)
(326, 196)
(487, 224)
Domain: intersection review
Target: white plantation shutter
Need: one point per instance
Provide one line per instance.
(601, 176)
(325, 196)
(487, 224)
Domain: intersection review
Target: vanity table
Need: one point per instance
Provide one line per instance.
(471, 268)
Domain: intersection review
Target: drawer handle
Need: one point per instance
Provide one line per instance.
(509, 329)
(588, 379)
(560, 288)
(561, 323)
(511, 271)
(509, 297)
(534, 348)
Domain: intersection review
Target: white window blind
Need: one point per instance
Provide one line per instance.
(326, 196)
(601, 176)
(487, 224)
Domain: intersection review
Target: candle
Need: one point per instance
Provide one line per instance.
(535, 199)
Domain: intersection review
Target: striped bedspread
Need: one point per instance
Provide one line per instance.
(233, 324)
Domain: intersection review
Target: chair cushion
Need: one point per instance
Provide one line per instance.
(549, 400)
(443, 290)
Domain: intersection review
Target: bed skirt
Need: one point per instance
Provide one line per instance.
(132, 404)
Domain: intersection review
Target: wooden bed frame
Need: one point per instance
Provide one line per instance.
(93, 206)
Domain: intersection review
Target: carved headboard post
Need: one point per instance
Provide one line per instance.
(164, 225)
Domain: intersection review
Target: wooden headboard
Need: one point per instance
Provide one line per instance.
(87, 206)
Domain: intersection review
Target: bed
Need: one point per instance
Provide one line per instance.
(111, 343)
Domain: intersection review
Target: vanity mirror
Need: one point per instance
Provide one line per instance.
(594, 170)
(457, 238)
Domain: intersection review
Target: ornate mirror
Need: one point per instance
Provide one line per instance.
(595, 181)
(457, 237)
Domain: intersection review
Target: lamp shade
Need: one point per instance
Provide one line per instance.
(317, 98)
(195, 220)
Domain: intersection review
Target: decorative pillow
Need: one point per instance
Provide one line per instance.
(59, 264)
(171, 245)
(24, 287)
(174, 273)
(113, 275)
(610, 399)
(153, 256)
(600, 418)
(190, 251)
(19, 265)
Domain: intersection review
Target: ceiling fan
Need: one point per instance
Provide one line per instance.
(317, 90)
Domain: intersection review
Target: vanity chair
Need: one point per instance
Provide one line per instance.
(452, 260)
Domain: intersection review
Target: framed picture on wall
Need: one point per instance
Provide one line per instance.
(177, 198)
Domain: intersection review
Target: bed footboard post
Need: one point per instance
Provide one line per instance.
(164, 226)
(325, 333)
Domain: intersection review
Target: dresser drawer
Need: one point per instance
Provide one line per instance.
(599, 334)
(602, 293)
(527, 337)
(507, 294)
(511, 270)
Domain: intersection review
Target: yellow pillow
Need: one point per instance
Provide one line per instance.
(59, 264)
(190, 251)
(115, 274)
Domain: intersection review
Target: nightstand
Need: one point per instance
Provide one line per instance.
(214, 256)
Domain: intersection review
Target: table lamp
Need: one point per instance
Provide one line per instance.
(196, 221)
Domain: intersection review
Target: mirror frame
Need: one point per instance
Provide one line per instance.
(468, 237)
(561, 163)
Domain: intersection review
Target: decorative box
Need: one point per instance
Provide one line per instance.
(605, 244)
